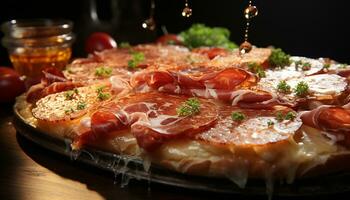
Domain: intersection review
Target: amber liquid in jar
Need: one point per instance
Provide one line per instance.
(31, 62)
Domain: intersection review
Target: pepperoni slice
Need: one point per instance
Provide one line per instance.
(151, 117)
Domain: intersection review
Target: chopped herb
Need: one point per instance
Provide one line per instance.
(200, 35)
(302, 89)
(100, 89)
(279, 59)
(306, 66)
(237, 116)
(298, 64)
(70, 94)
(270, 123)
(102, 95)
(137, 57)
(279, 116)
(124, 45)
(68, 111)
(257, 69)
(103, 71)
(190, 107)
(303, 65)
(326, 66)
(81, 105)
(283, 87)
(290, 116)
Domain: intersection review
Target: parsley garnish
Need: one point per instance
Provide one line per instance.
(270, 123)
(278, 58)
(279, 116)
(103, 71)
(257, 69)
(81, 105)
(283, 87)
(190, 107)
(137, 57)
(237, 116)
(124, 45)
(70, 94)
(302, 89)
(304, 65)
(68, 111)
(326, 66)
(200, 35)
(102, 95)
(289, 116)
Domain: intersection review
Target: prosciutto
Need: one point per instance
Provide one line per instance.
(151, 117)
(334, 120)
(53, 81)
(193, 80)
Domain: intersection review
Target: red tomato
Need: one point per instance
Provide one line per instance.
(99, 41)
(169, 39)
(10, 84)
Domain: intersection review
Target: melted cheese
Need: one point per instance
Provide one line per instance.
(326, 84)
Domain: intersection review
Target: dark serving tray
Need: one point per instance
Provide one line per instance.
(132, 168)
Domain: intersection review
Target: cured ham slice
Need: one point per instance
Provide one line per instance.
(203, 82)
(154, 54)
(53, 81)
(212, 52)
(151, 117)
(256, 55)
(334, 120)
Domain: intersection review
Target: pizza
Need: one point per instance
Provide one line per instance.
(205, 111)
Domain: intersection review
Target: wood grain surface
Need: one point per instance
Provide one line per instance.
(28, 171)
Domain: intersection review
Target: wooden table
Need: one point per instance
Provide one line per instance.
(28, 171)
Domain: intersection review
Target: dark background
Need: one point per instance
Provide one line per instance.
(310, 28)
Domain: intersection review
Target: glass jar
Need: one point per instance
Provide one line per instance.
(36, 44)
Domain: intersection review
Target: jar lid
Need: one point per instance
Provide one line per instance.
(32, 28)
(37, 33)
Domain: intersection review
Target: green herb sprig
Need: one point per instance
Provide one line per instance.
(237, 116)
(102, 95)
(103, 71)
(257, 69)
(302, 89)
(200, 35)
(278, 58)
(190, 107)
(283, 87)
(137, 57)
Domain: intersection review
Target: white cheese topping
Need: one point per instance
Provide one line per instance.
(327, 84)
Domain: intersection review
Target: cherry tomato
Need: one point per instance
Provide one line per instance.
(169, 39)
(11, 84)
(99, 41)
